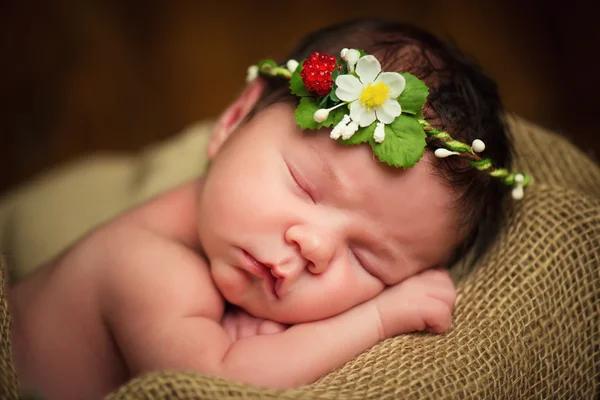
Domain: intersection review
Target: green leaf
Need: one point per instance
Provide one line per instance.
(335, 116)
(404, 143)
(362, 135)
(333, 96)
(334, 73)
(344, 69)
(305, 111)
(323, 102)
(296, 85)
(414, 95)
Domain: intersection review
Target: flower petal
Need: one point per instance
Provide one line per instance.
(348, 88)
(394, 81)
(361, 114)
(388, 111)
(367, 69)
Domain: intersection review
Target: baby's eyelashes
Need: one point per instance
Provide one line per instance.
(359, 257)
(303, 184)
(355, 257)
(360, 260)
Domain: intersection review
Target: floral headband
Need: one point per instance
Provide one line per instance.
(365, 105)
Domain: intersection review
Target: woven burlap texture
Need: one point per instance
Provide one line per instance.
(8, 378)
(526, 323)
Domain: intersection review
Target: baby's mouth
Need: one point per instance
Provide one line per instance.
(261, 270)
(274, 284)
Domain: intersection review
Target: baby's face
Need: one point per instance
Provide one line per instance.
(298, 227)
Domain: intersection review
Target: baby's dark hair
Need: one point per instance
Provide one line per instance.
(462, 101)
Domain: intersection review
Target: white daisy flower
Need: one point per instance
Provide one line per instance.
(372, 96)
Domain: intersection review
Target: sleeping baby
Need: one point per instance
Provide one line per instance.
(339, 189)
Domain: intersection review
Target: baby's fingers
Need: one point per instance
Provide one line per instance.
(271, 327)
(230, 326)
(437, 316)
(440, 286)
(437, 274)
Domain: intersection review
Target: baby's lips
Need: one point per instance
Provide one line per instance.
(272, 284)
(278, 287)
(254, 266)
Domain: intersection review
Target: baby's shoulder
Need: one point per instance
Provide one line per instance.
(152, 276)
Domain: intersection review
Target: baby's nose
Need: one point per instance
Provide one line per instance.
(314, 244)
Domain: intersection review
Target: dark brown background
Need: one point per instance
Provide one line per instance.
(84, 76)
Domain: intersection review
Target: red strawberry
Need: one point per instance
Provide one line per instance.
(316, 73)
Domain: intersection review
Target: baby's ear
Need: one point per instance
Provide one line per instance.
(233, 115)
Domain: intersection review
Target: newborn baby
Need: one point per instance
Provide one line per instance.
(293, 254)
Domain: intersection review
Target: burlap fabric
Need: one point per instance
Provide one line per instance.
(526, 323)
(8, 378)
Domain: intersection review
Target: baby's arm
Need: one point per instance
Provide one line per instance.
(299, 355)
(239, 325)
(305, 352)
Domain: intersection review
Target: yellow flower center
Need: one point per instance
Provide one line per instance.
(374, 95)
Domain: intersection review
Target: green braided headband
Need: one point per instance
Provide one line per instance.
(365, 105)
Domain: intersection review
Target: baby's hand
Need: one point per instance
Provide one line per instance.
(423, 302)
(239, 324)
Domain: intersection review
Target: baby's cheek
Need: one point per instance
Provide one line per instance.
(231, 282)
(369, 290)
(350, 291)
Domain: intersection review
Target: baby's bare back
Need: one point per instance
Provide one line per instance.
(64, 334)
(60, 342)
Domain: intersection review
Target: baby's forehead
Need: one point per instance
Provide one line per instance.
(365, 177)
(362, 168)
(405, 194)
(387, 193)
(408, 212)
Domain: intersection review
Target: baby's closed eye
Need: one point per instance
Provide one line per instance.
(305, 188)
(360, 257)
